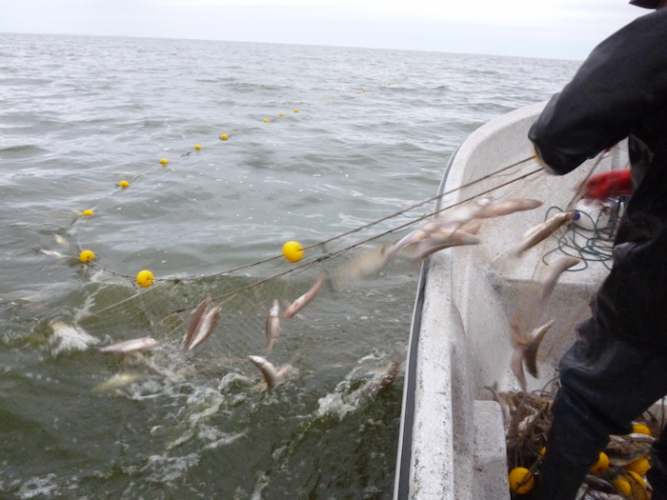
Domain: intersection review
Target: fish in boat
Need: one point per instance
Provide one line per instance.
(542, 231)
(507, 207)
(526, 344)
(525, 351)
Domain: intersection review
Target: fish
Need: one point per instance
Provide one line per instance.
(525, 351)
(67, 338)
(552, 273)
(440, 241)
(364, 266)
(61, 241)
(461, 214)
(196, 319)
(507, 207)
(305, 299)
(272, 327)
(272, 376)
(454, 219)
(53, 253)
(204, 328)
(130, 346)
(117, 381)
(542, 231)
(534, 301)
(529, 312)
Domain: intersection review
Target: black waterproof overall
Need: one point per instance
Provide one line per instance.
(618, 367)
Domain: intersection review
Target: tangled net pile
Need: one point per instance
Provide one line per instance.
(619, 474)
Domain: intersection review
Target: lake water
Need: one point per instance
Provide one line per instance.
(320, 141)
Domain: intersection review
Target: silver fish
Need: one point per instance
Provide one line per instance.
(525, 351)
(204, 328)
(272, 327)
(364, 266)
(133, 345)
(117, 381)
(534, 302)
(272, 376)
(542, 231)
(461, 214)
(196, 320)
(53, 253)
(61, 241)
(552, 273)
(67, 338)
(453, 219)
(305, 299)
(507, 207)
(440, 241)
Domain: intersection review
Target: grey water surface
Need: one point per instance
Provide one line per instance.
(372, 135)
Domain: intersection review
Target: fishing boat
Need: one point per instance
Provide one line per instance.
(452, 438)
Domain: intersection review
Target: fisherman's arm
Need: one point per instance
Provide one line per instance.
(623, 80)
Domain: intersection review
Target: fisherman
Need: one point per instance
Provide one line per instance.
(618, 367)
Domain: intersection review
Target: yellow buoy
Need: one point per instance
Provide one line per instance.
(86, 255)
(296, 110)
(519, 483)
(293, 251)
(223, 137)
(266, 120)
(164, 161)
(602, 464)
(543, 450)
(123, 184)
(282, 114)
(641, 429)
(622, 485)
(144, 278)
(197, 146)
(87, 213)
(639, 466)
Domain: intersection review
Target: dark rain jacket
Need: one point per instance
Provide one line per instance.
(621, 91)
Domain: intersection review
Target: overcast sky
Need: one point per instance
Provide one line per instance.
(561, 29)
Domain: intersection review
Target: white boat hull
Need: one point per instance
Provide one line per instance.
(452, 435)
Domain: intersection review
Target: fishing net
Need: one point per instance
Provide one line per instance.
(112, 306)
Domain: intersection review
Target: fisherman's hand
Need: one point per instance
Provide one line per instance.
(608, 184)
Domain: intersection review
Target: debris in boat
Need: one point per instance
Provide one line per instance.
(272, 376)
(131, 346)
(68, 338)
(272, 327)
(202, 324)
(305, 299)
